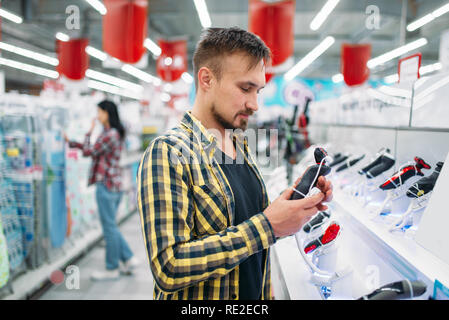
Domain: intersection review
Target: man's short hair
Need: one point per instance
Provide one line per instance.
(215, 43)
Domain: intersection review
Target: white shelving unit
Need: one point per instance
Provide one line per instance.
(404, 253)
(30, 281)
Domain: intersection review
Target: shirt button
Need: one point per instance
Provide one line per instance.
(234, 296)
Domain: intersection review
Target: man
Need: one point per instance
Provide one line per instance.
(208, 224)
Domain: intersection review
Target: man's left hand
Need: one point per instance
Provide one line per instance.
(326, 187)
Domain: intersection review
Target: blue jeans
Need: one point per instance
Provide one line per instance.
(116, 246)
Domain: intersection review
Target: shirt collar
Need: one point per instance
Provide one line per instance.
(202, 134)
(208, 140)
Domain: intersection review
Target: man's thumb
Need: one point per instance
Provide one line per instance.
(287, 194)
(313, 200)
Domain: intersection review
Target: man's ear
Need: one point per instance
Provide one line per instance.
(205, 78)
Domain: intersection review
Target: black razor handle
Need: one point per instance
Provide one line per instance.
(310, 177)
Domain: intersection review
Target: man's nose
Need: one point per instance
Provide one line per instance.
(253, 104)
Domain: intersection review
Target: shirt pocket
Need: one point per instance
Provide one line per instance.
(211, 214)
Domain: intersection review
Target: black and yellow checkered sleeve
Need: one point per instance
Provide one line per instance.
(177, 256)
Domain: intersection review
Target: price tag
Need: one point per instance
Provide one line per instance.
(408, 68)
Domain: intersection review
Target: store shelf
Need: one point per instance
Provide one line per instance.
(33, 280)
(403, 253)
(294, 271)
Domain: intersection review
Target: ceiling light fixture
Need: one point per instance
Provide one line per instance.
(153, 47)
(323, 14)
(396, 53)
(430, 68)
(112, 89)
(100, 55)
(97, 5)
(309, 58)
(113, 80)
(62, 36)
(29, 68)
(29, 54)
(144, 76)
(428, 18)
(203, 13)
(337, 78)
(10, 16)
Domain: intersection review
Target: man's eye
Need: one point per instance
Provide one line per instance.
(245, 89)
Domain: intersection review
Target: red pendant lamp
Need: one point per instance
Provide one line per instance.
(73, 59)
(273, 23)
(125, 29)
(172, 62)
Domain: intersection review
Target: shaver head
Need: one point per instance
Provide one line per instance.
(319, 155)
(421, 164)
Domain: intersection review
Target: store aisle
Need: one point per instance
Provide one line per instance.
(138, 286)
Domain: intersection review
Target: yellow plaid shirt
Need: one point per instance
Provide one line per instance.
(186, 208)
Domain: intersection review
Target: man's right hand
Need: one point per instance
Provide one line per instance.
(288, 216)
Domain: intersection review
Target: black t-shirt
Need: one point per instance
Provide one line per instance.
(248, 199)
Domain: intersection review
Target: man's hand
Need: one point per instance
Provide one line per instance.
(326, 188)
(288, 216)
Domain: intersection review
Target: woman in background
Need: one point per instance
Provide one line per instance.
(105, 173)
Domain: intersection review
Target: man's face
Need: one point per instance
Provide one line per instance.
(234, 96)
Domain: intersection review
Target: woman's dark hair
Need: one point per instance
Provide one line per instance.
(114, 119)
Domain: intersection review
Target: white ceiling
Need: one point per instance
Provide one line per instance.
(172, 18)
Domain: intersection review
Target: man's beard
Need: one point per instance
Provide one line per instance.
(228, 125)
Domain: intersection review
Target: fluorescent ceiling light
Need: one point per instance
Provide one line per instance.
(29, 54)
(203, 13)
(309, 58)
(10, 16)
(97, 5)
(144, 76)
(336, 78)
(392, 78)
(430, 68)
(29, 68)
(62, 36)
(396, 53)
(112, 89)
(153, 47)
(428, 18)
(323, 14)
(100, 55)
(440, 11)
(187, 77)
(113, 80)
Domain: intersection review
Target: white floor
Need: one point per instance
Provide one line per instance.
(138, 286)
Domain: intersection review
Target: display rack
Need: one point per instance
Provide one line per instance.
(24, 285)
(364, 125)
(403, 253)
(34, 280)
